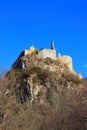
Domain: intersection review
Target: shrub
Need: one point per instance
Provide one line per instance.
(71, 78)
(35, 51)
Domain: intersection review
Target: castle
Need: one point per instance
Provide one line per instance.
(43, 53)
(49, 53)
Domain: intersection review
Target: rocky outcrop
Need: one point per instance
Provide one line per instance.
(43, 87)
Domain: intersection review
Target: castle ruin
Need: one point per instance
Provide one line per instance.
(49, 53)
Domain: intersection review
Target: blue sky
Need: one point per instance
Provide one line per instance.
(34, 22)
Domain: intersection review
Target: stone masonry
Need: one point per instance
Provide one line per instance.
(27, 52)
(66, 60)
(47, 53)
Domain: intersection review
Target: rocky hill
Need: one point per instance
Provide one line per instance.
(43, 93)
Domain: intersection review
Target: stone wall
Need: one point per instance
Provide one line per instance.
(47, 53)
(66, 60)
(26, 52)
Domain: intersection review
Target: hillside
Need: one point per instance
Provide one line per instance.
(43, 93)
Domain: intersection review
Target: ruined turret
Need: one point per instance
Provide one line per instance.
(52, 45)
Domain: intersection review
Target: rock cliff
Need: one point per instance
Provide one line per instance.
(42, 94)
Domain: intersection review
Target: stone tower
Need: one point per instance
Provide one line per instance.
(52, 45)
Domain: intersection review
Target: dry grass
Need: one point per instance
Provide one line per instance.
(71, 78)
(63, 109)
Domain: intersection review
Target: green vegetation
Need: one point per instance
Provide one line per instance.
(35, 51)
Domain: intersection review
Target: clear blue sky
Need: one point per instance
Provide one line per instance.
(37, 22)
